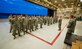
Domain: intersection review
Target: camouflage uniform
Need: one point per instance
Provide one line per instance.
(36, 23)
(53, 20)
(15, 28)
(41, 22)
(44, 20)
(71, 26)
(27, 27)
(11, 22)
(59, 23)
(30, 24)
(48, 21)
(56, 19)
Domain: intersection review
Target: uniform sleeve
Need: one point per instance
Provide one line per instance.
(69, 24)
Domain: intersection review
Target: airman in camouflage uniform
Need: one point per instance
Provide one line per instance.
(27, 27)
(48, 21)
(36, 23)
(16, 27)
(44, 20)
(11, 22)
(51, 20)
(30, 24)
(54, 20)
(40, 22)
(59, 22)
(71, 25)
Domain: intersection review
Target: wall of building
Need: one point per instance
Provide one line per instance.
(8, 7)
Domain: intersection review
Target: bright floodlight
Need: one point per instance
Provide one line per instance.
(81, 0)
(63, 0)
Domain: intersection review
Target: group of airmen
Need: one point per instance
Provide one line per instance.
(26, 24)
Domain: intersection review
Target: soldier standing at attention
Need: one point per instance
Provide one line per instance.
(41, 22)
(19, 23)
(53, 19)
(48, 20)
(27, 27)
(36, 23)
(59, 22)
(44, 20)
(15, 26)
(56, 19)
(30, 24)
(33, 22)
(34, 19)
(11, 22)
(14, 32)
(24, 24)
